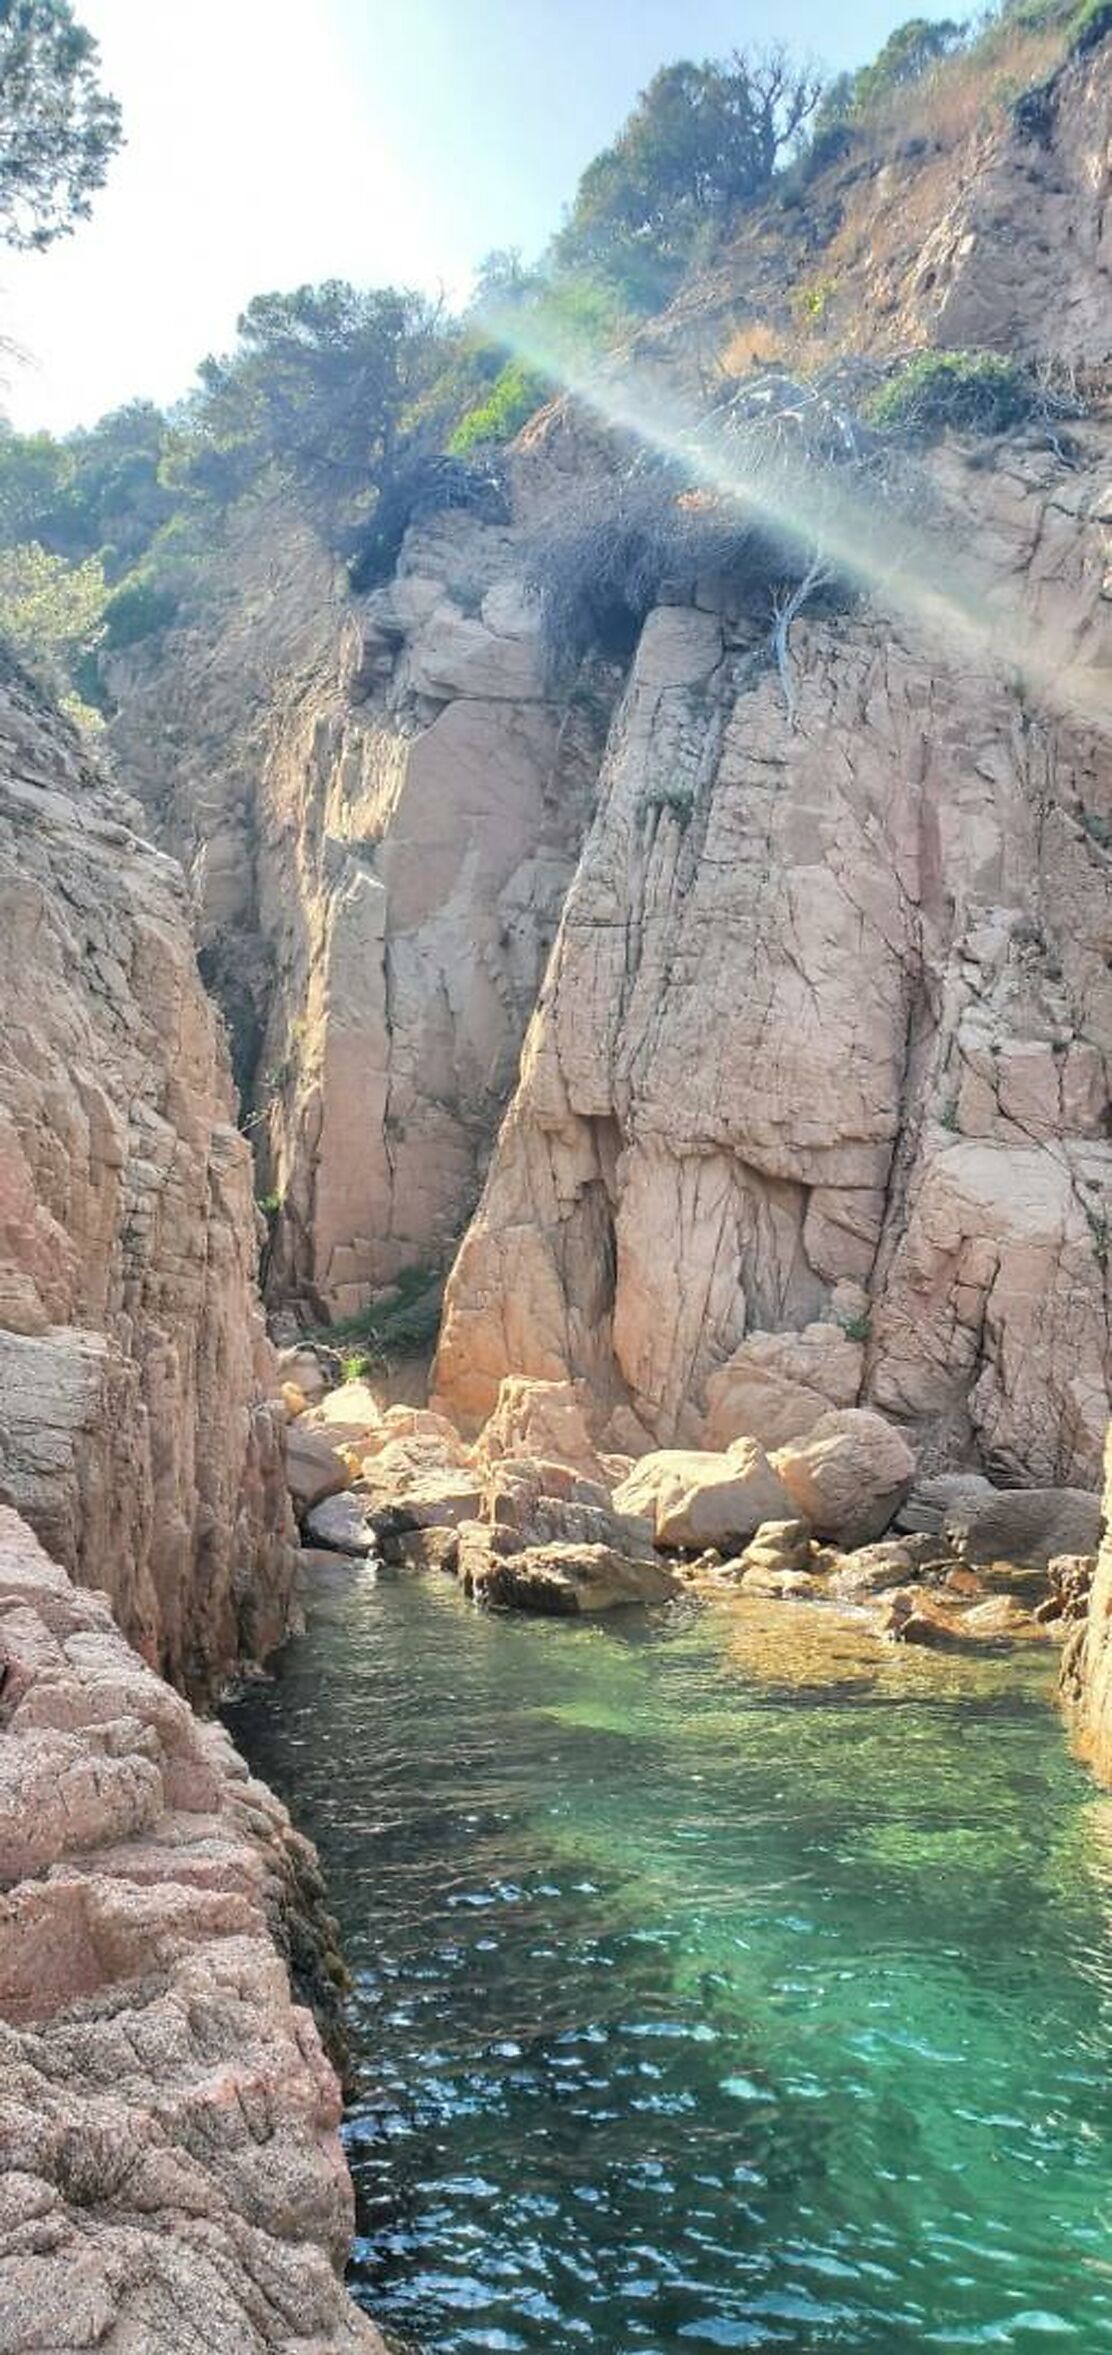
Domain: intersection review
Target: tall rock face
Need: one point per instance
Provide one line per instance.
(170, 2167)
(815, 1104)
(1089, 1672)
(137, 1433)
(379, 858)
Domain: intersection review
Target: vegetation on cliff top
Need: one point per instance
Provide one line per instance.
(367, 404)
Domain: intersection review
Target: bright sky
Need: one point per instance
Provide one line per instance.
(270, 142)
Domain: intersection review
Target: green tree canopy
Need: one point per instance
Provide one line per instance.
(702, 140)
(58, 128)
(324, 384)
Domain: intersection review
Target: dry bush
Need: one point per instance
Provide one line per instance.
(967, 92)
(754, 344)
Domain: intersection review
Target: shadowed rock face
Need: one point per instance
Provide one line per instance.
(1028, 1526)
(136, 1429)
(170, 2168)
(379, 849)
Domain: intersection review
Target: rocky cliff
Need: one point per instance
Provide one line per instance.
(388, 824)
(813, 1106)
(815, 1099)
(137, 1432)
(1087, 1670)
(171, 2169)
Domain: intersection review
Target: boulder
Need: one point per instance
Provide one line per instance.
(776, 1385)
(778, 1585)
(778, 1545)
(432, 1547)
(908, 1618)
(698, 1500)
(998, 1615)
(348, 1415)
(418, 1422)
(870, 1570)
(340, 1523)
(311, 1371)
(313, 1468)
(1027, 1526)
(539, 1419)
(558, 1580)
(549, 1504)
(420, 1479)
(849, 1476)
(929, 1501)
(1071, 1578)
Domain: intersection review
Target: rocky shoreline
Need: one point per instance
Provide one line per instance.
(530, 1515)
(171, 2174)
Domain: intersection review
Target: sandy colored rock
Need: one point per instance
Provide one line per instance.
(174, 2121)
(870, 1570)
(848, 1476)
(778, 1584)
(779, 1545)
(347, 1415)
(697, 1500)
(558, 1579)
(417, 1422)
(539, 1419)
(776, 1385)
(549, 1504)
(140, 1429)
(313, 1468)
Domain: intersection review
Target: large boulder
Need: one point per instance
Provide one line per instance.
(557, 1580)
(416, 1478)
(849, 1476)
(550, 1504)
(340, 1524)
(349, 1416)
(314, 1469)
(776, 1385)
(417, 1422)
(929, 1501)
(699, 1500)
(1027, 1526)
(540, 1419)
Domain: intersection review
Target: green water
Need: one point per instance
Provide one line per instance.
(722, 1980)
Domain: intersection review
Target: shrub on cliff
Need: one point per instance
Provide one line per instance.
(517, 391)
(595, 573)
(973, 392)
(426, 486)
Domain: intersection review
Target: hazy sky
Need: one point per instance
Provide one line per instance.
(274, 141)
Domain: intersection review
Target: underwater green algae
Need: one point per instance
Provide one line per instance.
(701, 2001)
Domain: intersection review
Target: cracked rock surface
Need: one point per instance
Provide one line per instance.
(138, 1433)
(170, 2170)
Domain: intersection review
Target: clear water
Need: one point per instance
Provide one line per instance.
(722, 1980)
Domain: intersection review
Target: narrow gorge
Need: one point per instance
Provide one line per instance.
(555, 1211)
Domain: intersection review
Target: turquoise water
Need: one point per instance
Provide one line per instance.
(723, 1980)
